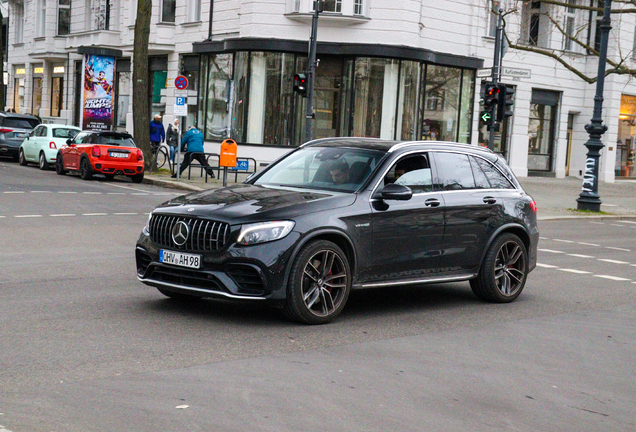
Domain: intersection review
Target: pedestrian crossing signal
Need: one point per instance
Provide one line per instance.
(300, 84)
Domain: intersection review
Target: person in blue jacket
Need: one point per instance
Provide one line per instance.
(192, 144)
(157, 133)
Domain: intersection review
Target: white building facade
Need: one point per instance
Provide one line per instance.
(395, 69)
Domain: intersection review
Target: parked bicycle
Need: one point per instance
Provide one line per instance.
(161, 156)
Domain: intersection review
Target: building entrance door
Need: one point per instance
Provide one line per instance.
(327, 97)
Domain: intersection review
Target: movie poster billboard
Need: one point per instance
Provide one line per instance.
(98, 106)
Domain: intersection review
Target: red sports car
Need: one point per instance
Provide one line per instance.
(107, 153)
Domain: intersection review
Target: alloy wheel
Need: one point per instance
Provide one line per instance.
(324, 283)
(510, 268)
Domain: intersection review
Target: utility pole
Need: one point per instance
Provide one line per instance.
(311, 73)
(589, 198)
(496, 72)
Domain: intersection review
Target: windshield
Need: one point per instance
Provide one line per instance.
(20, 123)
(341, 169)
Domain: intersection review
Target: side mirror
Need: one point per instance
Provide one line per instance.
(396, 192)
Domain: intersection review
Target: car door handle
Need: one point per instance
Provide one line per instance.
(431, 202)
(490, 200)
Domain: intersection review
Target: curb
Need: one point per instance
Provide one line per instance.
(172, 184)
(614, 217)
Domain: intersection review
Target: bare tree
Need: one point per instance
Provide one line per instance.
(579, 34)
(2, 54)
(141, 107)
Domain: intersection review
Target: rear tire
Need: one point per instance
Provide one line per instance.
(21, 159)
(44, 165)
(86, 172)
(59, 165)
(319, 284)
(138, 178)
(503, 273)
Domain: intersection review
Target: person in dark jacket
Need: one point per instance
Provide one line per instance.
(172, 137)
(157, 133)
(192, 144)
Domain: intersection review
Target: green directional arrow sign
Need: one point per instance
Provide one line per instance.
(485, 116)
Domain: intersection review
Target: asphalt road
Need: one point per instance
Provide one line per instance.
(85, 347)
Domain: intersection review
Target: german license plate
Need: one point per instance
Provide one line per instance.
(180, 259)
(19, 135)
(119, 155)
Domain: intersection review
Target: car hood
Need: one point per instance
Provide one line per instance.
(244, 203)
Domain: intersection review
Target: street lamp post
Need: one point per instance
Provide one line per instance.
(589, 198)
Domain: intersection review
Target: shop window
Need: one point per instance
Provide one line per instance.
(441, 103)
(36, 101)
(18, 93)
(407, 102)
(168, 10)
(466, 106)
(123, 97)
(57, 92)
(216, 75)
(375, 98)
(63, 17)
(541, 129)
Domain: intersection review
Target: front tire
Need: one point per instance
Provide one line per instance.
(59, 165)
(44, 165)
(86, 172)
(21, 159)
(319, 284)
(503, 273)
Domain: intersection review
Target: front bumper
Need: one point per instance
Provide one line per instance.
(243, 273)
(9, 151)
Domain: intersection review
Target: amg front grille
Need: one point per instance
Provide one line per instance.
(204, 235)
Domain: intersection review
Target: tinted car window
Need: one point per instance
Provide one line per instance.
(495, 177)
(344, 169)
(412, 171)
(116, 140)
(64, 133)
(481, 182)
(454, 171)
(20, 123)
(83, 138)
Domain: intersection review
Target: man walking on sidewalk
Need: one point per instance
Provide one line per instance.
(157, 133)
(192, 144)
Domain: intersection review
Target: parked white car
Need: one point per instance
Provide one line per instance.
(42, 144)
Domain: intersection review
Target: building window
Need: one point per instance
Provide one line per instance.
(18, 22)
(36, 102)
(441, 103)
(541, 129)
(194, 10)
(168, 11)
(534, 31)
(101, 14)
(40, 18)
(358, 7)
(332, 6)
(57, 87)
(63, 17)
(569, 26)
(493, 17)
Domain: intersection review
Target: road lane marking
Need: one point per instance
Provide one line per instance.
(563, 241)
(626, 221)
(597, 223)
(67, 192)
(94, 214)
(63, 215)
(27, 216)
(609, 205)
(612, 261)
(588, 244)
(574, 271)
(618, 225)
(614, 278)
(41, 192)
(550, 251)
(546, 265)
(92, 193)
(127, 187)
(115, 193)
(618, 249)
(140, 193)
(2, 217)
(13, 192)
(126, 214)
(581, 256)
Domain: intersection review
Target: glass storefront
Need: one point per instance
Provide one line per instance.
(251, 93)
(626, 143)
(542, 129)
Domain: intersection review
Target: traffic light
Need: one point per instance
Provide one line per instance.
(491, 95)
(506, 101)
(300, 84)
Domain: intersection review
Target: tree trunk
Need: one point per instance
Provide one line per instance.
(3, 97)
(141, 108)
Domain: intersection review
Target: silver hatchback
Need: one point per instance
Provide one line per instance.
(14, 128)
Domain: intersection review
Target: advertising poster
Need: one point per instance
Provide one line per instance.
(98, 107)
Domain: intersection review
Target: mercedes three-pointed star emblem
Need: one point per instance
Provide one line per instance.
(180, 232)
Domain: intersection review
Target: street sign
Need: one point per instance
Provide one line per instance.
(181, 82)
(181, 101)
(484, 73)
(180, 110)
(180, 93)
(515, 72)
(241, 165)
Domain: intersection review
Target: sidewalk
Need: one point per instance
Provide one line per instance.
(555, 198)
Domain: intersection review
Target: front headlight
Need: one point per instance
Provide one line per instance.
(146, 229)
(264, 232)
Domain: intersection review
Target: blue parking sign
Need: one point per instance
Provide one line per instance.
(181, 101)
